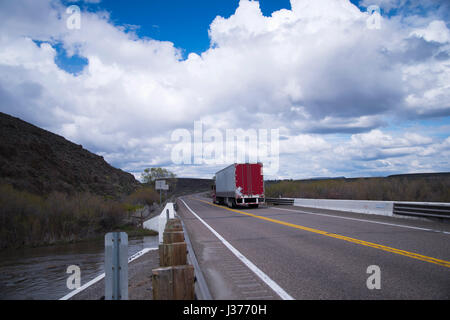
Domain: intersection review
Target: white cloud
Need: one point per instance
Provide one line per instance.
(384, 4)
(435, 31)
(312, 70)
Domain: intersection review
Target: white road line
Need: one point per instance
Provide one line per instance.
(363, 220)
(264, 277)
(101, 276)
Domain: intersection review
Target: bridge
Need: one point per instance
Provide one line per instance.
(292, 252)
(365, 251)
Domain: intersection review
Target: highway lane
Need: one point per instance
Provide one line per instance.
(315, 256)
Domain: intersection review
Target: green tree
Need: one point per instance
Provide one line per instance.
(151, 174)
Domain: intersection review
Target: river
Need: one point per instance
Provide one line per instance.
(40, 273)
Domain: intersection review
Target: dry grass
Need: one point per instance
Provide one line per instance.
(425, 189)
(29, 220)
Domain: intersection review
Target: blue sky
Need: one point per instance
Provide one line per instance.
(347, 99)
(185, 23)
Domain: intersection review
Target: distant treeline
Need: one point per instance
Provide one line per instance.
(27, 219)
(425, 188)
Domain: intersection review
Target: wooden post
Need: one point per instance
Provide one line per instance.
(173, 228)
(173, 225)
(173, 254)
(174, 280)
(173, 237)
(173, 221)
(183, 282)
(162, 283)
(173, 283)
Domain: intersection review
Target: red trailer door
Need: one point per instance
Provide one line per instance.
(249, 177)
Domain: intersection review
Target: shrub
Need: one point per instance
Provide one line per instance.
(143, 196)
(27, 219)
(432, 189)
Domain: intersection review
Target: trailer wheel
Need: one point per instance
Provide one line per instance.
(231, 203)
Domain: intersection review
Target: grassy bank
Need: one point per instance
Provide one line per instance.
(401, 188)
(31, 220)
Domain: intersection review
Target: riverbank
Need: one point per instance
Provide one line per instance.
(32, 220)
(132, 232)
(41, 273)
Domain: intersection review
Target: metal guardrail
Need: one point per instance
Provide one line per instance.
(201, 288)
(280, 201)
(422, 210)
(419, 209)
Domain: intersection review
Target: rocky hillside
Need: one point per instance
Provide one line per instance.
(40, 162)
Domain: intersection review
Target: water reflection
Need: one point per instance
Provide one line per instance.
(40, 273)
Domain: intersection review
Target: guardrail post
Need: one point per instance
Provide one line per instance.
(173, 254)
(116, 266)
(174, 280)
(173, 283)
(173, 237)
(173, 225)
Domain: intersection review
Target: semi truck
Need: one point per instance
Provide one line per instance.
(240, 184)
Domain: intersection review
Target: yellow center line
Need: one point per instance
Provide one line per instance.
(413, 255)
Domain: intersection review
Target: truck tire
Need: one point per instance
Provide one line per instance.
(231, 203)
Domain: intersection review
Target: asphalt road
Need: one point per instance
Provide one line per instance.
(317, 254)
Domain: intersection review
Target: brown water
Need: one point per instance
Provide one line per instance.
(40, 273)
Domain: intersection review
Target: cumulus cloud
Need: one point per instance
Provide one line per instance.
(313, 72)
(435, 31)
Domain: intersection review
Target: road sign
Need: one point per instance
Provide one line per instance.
(161, 185)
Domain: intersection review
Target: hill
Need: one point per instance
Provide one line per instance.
(40, 162)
